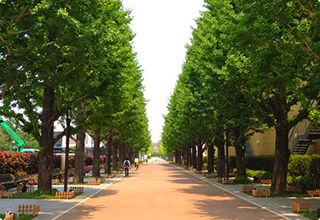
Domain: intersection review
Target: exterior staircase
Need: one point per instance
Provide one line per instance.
(301, 139)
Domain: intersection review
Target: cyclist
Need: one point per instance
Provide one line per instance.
(136, 162)
(126, 165)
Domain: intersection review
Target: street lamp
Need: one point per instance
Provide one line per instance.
(68, 120)
(227, 149)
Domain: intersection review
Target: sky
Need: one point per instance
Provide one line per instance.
(163, 29)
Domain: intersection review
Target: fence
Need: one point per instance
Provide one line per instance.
(260, 192)
(77, 189)
(33, 209)
(294, 188)
(268, 181)
(63, 195)
(246, 188)
(227, 181)
(94, 182)
(5, 194)
(29, 188)
(300, 206)
(314, 192)
(55, 181)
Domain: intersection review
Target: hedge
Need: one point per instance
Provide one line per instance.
(13, 162)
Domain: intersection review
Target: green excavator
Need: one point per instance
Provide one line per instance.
(19, 144)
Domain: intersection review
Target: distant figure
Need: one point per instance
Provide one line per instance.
(136, 163)
(146, 160)
(126, 165)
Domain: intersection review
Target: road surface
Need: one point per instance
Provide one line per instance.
(162, 191)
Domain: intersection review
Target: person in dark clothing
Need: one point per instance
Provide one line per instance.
(126, 165)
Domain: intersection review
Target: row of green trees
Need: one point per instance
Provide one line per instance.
(252, 65)
(57, 55)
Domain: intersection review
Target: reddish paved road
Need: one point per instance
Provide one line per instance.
(161, 191)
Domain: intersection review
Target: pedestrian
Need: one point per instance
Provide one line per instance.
(126, 165)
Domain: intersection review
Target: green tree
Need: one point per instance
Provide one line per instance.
(281, 74)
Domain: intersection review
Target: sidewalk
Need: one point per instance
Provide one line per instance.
(280, 206)
(53, 208)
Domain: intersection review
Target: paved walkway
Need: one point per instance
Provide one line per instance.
(163, 191)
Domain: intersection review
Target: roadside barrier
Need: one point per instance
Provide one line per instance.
(246, 188)
(300, 206)
(33, 209)
(64, 195)
(94, 182)
(260, 193)
(5, 194)
(77, 189)
(314, 192)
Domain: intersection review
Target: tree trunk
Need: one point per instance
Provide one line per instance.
(79, 157)
(109, 152)
(219, 142)
(194, 157)
(115, 155)
(240, 160)
(188, 157)
(282, 153)
(96, 153)
(200, 162)
(210, 158)
(281, 160)
(80, 147)
(46, 142)
(121, 154)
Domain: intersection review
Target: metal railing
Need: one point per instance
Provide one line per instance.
(298, 132)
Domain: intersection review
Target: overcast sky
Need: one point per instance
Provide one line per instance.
(162, 28)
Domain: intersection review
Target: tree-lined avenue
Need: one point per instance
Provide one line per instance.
(161, 191)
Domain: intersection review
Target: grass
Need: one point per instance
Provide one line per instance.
(310, 214)
(21, 216)
(38, 194)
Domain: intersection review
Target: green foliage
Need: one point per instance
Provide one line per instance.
(264, 163)
(242, 180)
(254, 173)
(37, 194)
(299, 165)
(267, 175)
(309, 214)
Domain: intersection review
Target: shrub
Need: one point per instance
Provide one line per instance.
(299, 165)
(88, 160)
(260, 163)
(242, 180)
(267, 175)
